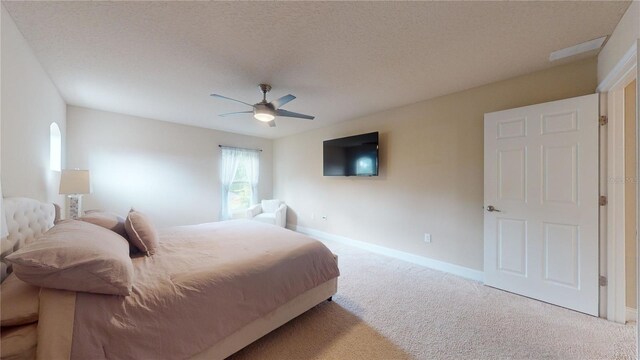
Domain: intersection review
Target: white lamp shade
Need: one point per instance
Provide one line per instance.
(75, 182)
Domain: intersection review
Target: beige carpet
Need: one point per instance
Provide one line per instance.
(390, 309)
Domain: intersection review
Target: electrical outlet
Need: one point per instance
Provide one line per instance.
(427, 238)
(313, 216)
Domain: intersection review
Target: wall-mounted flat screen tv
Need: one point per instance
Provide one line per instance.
(351, 156)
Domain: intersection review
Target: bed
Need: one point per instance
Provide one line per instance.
(209, 291)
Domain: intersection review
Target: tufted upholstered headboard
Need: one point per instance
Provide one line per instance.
(26, 219)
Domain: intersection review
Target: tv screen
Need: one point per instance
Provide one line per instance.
(351, 156)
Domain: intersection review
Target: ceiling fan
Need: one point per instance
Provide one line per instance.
(267, 111)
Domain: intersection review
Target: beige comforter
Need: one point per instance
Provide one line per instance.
(205, 282)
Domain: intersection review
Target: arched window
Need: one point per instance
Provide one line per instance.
(55, 147)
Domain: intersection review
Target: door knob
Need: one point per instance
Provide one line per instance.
(492, 208)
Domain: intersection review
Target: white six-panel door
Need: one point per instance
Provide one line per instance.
(541, 202)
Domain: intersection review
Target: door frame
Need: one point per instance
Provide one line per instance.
(612, 181)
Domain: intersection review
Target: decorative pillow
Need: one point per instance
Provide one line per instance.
(270, 206)
(141, 231)
(78, 256)
(19, 302)
(107, 220)
(19, 342)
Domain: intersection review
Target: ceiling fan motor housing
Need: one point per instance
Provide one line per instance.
(264, 112)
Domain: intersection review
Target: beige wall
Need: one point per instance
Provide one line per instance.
(623, 37)
(167, 170)
(630, 193)
(30, 102)
(431, 169)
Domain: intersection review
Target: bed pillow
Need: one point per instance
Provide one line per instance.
(78, 256)
(270, 206)
(107, 220)
(19, 302)
(19, 342)
(141, 231)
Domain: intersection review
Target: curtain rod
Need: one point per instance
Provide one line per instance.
(239, 148)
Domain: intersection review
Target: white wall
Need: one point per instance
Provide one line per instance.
(166, 170)
(30, 102)
(431, 169)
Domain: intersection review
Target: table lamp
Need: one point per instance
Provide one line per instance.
(75, 183)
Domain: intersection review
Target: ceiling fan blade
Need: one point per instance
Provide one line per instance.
(286, 113)
(236, 113)
(281, 101)
(228, 98)
(272, 123)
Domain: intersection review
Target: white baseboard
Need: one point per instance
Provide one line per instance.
(382, 250)
(631, 314)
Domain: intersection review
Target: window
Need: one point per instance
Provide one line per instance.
(55, 147)
(240, 192)
(239, 177)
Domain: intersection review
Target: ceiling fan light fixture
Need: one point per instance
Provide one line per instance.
(263, 112)
(265, 117)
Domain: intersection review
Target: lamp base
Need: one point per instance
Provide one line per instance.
(75, 206)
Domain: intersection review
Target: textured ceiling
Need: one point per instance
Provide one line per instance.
(342, 60)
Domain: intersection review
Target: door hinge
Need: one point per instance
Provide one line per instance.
(603, 200)
(604, 120)
(602, 281)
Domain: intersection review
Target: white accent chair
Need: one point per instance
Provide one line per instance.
(270, 212)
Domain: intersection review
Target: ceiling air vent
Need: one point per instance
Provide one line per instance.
(574, 50)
